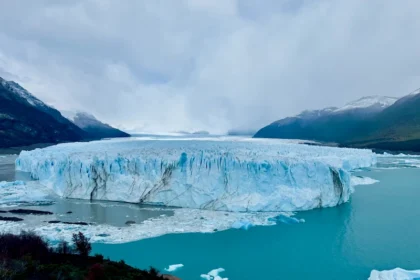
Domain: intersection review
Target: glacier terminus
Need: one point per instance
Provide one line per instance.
(225, 174)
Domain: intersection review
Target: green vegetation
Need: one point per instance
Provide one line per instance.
(28, 256)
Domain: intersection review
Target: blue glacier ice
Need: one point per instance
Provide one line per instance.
(242, 224)
(205, 173)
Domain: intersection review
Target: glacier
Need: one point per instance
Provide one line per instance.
(222, 174)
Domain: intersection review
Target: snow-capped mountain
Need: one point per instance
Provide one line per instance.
(26, 120)
(373, 121)
(380, 102)
(23, 93)
(95, 128)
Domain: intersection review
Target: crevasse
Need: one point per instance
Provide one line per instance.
(214, 174)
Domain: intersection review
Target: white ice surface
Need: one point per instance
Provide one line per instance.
(174, 267)
(202, 173)
(183, 221)
(389, 161)
(23, 193)
(356, 181)
(395, 274)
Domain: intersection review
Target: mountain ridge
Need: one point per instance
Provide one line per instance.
(26, 120)
(94, 127)
(370, 122)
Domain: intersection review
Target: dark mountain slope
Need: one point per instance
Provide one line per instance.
(395, 128)
(25, 120)
(330, 124)
(372, 122)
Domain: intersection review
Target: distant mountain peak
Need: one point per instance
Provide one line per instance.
(26, 120)
(19, 90)
(369, 101)
(417, 91)
(92, 125)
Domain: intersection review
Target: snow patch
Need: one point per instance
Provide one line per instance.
(17, 89)
(368, 101)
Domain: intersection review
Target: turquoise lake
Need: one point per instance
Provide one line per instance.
(377, 229)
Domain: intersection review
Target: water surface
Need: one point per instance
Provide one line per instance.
(377, 229)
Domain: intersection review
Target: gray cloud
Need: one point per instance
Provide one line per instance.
(208, 64)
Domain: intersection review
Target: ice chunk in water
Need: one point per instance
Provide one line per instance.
(214, 275)
(174, 267)
(395, 274)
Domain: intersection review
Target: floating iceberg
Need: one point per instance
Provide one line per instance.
(359, 180)
(214, 275)
(395, 274)
(214, 174)
(174, 267)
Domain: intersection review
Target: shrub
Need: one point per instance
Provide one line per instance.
(96, 272)
(153, 272)
(64, 248)
(99, 258)
(82, 244)
(27, 243)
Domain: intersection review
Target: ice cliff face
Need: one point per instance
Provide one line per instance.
(230, 175)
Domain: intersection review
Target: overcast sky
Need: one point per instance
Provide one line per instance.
(169, 65)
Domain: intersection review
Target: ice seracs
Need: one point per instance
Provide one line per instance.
(213, 174)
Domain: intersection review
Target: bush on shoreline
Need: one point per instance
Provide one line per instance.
(28, 256)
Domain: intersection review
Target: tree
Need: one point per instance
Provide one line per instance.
(64, 248)
(82, 244)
